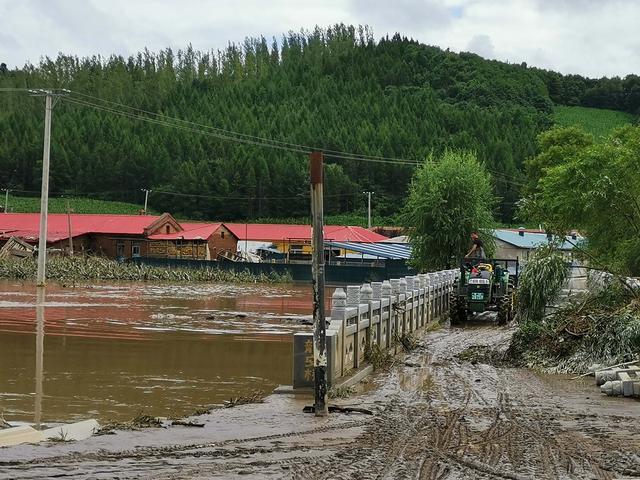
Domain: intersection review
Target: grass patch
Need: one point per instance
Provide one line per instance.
(70, 270)
(140, 421)
(256, 397)
(408, 341)
(77, 205)
(597, 121)
(341, 392)
(61, 437)
(381, 359)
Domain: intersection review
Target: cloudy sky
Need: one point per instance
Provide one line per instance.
(589, 37)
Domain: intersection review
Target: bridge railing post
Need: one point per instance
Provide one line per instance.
(339, 315)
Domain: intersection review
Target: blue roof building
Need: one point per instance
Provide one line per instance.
(511, 244)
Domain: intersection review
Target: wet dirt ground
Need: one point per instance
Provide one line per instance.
(435, 417)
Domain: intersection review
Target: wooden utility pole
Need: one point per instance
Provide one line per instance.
(317, 267)
(69, 224)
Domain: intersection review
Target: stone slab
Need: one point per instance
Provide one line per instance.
(18, 435)
(73, 431)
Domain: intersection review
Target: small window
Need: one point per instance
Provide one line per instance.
(168, 229)
(221, 234)
(135, 250)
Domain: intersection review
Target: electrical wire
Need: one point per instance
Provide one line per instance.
(238, 137)
(327, 152)
(296, 149)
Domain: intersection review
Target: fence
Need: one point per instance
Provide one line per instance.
(376, 313)
(299, 272)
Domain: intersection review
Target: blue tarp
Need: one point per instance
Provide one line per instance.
(393, 251)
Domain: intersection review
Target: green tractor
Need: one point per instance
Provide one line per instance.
(484, 285)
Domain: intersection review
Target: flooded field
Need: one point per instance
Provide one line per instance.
(110, 351)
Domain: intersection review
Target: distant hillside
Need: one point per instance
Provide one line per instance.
(598, 122)
(78, 205)
(335, 89)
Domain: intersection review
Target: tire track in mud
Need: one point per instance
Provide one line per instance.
(500, 441)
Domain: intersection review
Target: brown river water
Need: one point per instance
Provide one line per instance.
(111, 350)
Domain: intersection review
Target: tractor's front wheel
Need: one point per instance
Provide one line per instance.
(457, 309)
(505, 310)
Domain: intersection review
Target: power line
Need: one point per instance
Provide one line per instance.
(238, 137)
(231, 137)
(218, 197)
(308, 148)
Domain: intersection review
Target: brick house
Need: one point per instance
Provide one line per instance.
(123, 236)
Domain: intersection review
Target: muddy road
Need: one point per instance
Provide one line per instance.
(439, 415)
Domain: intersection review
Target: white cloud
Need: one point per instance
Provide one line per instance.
(589, 37)
(482, 45)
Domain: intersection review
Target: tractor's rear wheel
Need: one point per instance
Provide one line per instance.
(505, 310)
(457, 309)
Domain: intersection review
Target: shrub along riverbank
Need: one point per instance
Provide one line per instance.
(75, 269)
(600, 328)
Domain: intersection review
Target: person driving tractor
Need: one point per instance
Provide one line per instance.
(477, 249)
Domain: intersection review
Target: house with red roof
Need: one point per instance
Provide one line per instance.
(131, 236)
(296, 239)
(123, 236)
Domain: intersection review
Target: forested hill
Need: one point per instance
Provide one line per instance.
(337, 89)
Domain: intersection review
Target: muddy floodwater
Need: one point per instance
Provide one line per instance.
(112, 350)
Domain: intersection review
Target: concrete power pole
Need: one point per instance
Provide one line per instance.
(44, 195)
(146, 198)
(6, 200)
(70, 232)
(317, 266)
(369, 208)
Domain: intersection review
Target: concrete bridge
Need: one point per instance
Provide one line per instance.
(377, 313)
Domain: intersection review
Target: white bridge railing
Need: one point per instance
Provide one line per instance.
(375, 313)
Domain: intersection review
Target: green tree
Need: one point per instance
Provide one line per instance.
(596, 190)
(450, 197)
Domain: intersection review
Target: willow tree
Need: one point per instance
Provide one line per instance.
(450, 197)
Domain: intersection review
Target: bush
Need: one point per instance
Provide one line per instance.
(600, 328)
(540, 283)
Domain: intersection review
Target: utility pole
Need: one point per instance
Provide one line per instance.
(317, 267)
(49, 95)
(69, 224)
(146, 198)
(369, 208)
(6, 200)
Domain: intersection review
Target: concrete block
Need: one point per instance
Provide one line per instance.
(73, 431)
(627, 384)
(303, 367)
(353, 295)
(18, 435)
(612, 388)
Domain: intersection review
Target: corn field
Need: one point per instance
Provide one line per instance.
(76, 269)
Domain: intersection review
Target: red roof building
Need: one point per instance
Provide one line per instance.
(277, 233)
(122, 236)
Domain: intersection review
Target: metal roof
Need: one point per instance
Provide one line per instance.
(27, 226)
(530, 240)
(391, 251)
(284, 232)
